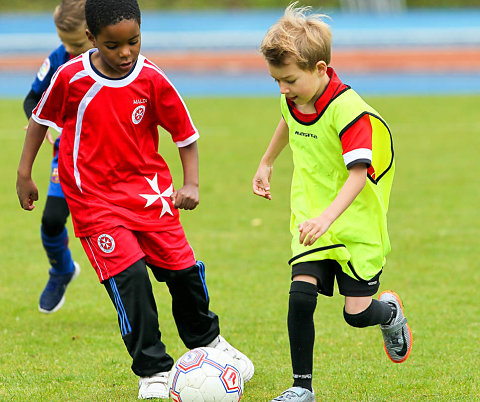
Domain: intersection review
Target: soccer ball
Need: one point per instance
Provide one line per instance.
(205, 375)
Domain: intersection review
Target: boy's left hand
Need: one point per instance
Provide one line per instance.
(312, 229)
(185, 198)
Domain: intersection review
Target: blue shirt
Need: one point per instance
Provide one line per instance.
(57, 58)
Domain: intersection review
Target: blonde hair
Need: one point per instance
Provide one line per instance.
(298, 34)
(69, 15)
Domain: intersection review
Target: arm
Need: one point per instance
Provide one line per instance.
(187, 197)
(261, 180)
(26, 189)
(29, 103)
(312, 229)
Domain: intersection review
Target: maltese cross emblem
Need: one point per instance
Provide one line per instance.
(151, 198)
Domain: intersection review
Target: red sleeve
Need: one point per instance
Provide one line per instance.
(172, 113)
(357, 142)
(49, 111)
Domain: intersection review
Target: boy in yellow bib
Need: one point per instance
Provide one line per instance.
(343, 170)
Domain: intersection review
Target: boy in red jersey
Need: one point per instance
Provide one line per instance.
(108, 103)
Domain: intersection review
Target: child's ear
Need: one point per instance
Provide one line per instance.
(321, 67)
(91, 38)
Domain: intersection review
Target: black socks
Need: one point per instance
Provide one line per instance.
(301, 331)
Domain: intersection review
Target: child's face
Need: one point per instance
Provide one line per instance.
(300, 86)
(118, 46)
(75, 42)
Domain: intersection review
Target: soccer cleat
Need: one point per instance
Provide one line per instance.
(397, 336)
(155, 386)
(242, 362)
(296, 394)
(53, 296)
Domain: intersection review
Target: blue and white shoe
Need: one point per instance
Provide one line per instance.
(295, 394)
(53, 296)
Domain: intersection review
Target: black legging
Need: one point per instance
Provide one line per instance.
(131, 293)
(54, 216)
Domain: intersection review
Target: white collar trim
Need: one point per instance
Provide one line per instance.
(112, 83)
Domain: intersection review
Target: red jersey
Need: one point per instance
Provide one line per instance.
(109, 165)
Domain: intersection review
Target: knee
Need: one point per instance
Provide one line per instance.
(303, 297)
(360, 320)
(53, 223)
(136, 273)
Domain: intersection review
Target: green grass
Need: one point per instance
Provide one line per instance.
(77, 353)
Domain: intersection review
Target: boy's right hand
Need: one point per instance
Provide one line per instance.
(186, 197)
(27, 192)
(261, 181)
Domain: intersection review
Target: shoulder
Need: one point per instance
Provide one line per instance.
(348, 106)
(68, 70)
(158, 79)
(72, 66)
(347, 97)
(59, 56)
(51, 63)
(151, 69)
(59, 51)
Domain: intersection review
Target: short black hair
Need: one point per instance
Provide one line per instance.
(102, 13)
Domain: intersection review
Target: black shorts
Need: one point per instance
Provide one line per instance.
(327, 270)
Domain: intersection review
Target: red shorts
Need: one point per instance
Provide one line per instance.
(114, 250)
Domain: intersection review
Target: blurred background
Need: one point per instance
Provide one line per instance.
(210, 48)
(418, 61)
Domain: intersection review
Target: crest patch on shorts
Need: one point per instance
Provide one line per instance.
(106, 243)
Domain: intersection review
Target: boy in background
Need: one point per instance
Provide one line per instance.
(69, 18)
(108, 102)
(343, 170)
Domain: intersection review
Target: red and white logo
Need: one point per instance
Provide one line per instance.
(106, 243)
(231, 379)
(138, 113)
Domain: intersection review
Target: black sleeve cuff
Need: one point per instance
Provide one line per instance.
(357, 161)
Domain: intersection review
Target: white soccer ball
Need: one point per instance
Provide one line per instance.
(205, 375)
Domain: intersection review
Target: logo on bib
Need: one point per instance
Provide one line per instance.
(138, 113)
(308, 135)
(106, 243)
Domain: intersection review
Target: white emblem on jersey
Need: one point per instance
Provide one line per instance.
(44, 69)
(137, 114)
(151, 198)
(106, 243)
